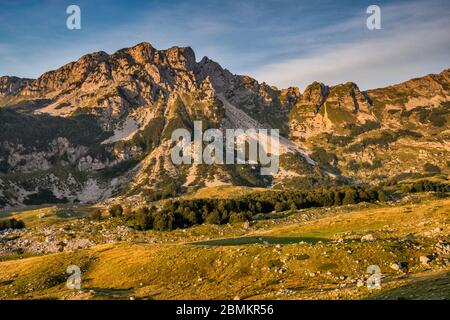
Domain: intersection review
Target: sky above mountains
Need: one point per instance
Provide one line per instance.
(282, 42)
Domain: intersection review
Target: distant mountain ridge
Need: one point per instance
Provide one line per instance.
(100, 127)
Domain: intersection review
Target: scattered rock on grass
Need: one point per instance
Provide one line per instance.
(424, 260)
(368, 237)
(399, 266)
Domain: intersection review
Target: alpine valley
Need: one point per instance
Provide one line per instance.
(87, 185)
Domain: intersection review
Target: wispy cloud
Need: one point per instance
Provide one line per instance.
(281, 42)
(414, 41)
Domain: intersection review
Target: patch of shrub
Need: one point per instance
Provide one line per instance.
(275, 263)
(143, 219)
(116, 210)
(11, 224)
(366, 127)
(236, 217)
(96, 215)
(381, 141)
(431, 168)
(43, 196)
(425, 186)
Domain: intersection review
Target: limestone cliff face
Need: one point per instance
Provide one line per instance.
(112, 85)
(314, 95)
(322, 108)
(377, 134)
(11, 85)
(348, 97)
(115, 114)
(268, 105)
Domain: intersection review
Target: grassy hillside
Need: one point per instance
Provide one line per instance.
(309, 254)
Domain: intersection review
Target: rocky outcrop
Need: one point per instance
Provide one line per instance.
(347, 96)
(431, 90)
(314, 95)
(10, 86)
(379, 133)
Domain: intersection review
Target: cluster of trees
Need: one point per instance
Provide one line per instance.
(185, 213)
(116, 210)
(181, 213)
(11, 224)
(37, 131)
(431, 168)
(320, 197)
(425, 186)
(382, 141)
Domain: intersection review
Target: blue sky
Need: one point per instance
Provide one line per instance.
(282, 42)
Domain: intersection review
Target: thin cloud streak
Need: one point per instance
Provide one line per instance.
(411, 49)
(266, 40)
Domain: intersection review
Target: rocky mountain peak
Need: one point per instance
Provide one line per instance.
(181, 58)
(291, 94)
(314, 94)
(141, 75)
(141, 53)
(349, 97)
(219, 77)
(66, 77)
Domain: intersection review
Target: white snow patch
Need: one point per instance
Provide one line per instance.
(56, 110)
(135, 121)
(92, 192)
(125, 132)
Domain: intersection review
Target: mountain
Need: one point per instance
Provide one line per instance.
(377, 135)
(101, 126)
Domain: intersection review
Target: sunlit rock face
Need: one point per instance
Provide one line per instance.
(101, 127)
